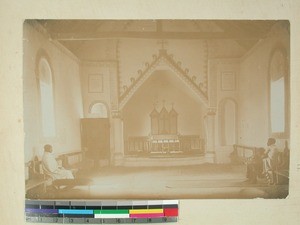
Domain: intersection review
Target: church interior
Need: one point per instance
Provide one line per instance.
(156, 109)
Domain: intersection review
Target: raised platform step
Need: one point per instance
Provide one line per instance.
(131, 161)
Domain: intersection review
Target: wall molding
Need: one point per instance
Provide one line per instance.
(102, 63)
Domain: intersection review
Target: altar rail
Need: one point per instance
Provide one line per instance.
(185, 144)
(243, 152)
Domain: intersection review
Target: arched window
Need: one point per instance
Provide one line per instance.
(278, 93)
(98, 110)
(45, 83)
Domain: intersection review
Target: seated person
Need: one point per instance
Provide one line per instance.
(285, 157)
(255, 165)
(270, 161)
(51, 167)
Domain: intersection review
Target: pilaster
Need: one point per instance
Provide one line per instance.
(209, 121)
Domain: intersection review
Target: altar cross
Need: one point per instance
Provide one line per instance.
(162, 43)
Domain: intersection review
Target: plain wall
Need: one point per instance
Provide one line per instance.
(67, 96)
(90, 97)
(253, 95)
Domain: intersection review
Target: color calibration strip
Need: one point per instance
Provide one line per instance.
(101, 212)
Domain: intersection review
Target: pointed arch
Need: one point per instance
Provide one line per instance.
(163, 61)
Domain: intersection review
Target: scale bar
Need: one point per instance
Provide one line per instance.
(101, 212)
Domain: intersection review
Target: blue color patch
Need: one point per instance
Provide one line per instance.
(75, 211)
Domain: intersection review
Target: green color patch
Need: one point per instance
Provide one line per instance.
(112, 211)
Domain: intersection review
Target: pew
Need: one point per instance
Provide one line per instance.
(36, 178)
(242, 154)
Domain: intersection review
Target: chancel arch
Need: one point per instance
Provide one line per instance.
(163, 116)
(165, 61)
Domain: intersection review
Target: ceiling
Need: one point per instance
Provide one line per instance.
(73, 33)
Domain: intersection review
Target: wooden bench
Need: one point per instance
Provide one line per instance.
(284, 173)
(36, 177)
(244, 153)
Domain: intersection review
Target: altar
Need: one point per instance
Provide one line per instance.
(164, 138)
(164, 144)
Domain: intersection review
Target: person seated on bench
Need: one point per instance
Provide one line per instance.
(51, 166)
(255, 166)
(285, 158)
(270, 161)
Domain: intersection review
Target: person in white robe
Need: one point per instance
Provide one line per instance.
(271, 160)
(51, 166)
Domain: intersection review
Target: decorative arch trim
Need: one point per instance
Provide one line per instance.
(166, 60)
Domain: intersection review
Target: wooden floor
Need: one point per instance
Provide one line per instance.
(206, 181)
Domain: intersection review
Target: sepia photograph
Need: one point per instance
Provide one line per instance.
(156, 109)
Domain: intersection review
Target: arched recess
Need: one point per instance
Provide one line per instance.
(45, 83)
(98, 110)
(163, 108)
(227, 122)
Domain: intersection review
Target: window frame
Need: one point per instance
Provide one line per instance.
(286, 132)
(42, 55)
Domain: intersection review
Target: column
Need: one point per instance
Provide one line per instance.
(209, 121)
(118, 140)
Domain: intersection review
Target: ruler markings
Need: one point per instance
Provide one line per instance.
(103, 212)
(107, 216)
(147, 215)
(145, 211)
(117, 211)
(30, 210)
